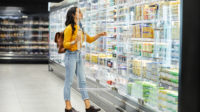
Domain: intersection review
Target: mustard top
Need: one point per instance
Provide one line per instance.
(68, 38)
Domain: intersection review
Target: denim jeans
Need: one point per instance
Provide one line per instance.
(74, 65)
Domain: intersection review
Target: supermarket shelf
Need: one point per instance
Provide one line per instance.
(5, 54)
(164, 84)
(96, 52)
(8, 49)
(11, 37)
(111, 8)
(121, 23)
(23, 59)
(148, 58)
(145, 21)
(98, 10)
(123, 4)
(24, 30)
(23, 43)
(36, 24)
(147, 2)
(122, 76)
(175, 60)
(11, 24)
(38, 37)
(142, 39)
(133, 76)
(24, 24)
(5, 31)
(23, 38)
(37, 30)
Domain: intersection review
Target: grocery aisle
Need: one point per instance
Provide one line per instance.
(31, 88)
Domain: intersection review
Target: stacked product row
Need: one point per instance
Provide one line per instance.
(24, 36)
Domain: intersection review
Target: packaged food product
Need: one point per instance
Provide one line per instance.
(168, 100)
(150, 11)
(148, 31)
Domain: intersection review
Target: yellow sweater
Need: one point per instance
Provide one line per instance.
(68, 38)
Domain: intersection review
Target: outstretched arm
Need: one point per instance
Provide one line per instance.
(92, 39)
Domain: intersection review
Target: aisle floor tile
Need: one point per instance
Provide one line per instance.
(32, 88)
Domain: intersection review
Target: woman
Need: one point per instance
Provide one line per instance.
(73, 38)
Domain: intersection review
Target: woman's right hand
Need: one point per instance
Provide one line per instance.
(78, 38)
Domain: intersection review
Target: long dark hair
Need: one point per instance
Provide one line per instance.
(70, 18)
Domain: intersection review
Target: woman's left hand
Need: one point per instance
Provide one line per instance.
(102, 34)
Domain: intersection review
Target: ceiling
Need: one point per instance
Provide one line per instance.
(27, 6)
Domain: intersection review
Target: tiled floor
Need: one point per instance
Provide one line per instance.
(31, 88)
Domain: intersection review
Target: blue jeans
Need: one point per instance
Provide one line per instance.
(74, 65)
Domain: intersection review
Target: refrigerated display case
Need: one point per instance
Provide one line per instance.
(24, 39)
(138, 60)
